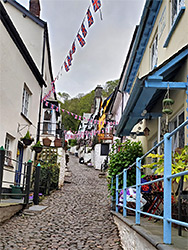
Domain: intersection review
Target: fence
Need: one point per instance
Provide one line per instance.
(167, 179)
(20, 186)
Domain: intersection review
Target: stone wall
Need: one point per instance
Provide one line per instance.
(7, 211)
(130, 239)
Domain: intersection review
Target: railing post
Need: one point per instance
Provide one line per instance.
(36, 185)
(167, 189)
(2, 160)
(28, 181)
(124, 192)
(117, 185)
(138, 189)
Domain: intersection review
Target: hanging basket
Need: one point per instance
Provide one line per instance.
(37, 149)
(46, 142)
(27, 141)
(167, 111)
(168, 101)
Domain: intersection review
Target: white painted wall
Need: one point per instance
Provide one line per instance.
(15, 74)
(61, 160)
(97, 157)
(130, 239)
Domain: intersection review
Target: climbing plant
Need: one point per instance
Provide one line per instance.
(122, 155)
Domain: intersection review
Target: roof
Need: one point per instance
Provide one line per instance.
(147, 22)
(20, 44)
(148, 90)
(41, 23)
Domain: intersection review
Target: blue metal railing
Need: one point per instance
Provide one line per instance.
(167, 178)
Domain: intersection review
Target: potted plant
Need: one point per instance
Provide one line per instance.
(27, 139)
(37, 147)
(57, 142)
(46, 141)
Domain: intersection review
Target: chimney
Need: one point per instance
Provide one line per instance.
(98, 91)
(34, 7)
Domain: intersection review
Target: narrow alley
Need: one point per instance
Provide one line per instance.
(76, 217)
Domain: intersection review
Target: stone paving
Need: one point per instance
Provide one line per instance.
(76, 217)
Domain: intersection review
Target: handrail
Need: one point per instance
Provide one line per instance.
(167, 219)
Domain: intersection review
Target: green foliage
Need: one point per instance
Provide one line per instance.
(78, 105)
(81, 104)
(72, 142)
(179, 163)
(122, 156)
(49, 175)
(27, 136)
(38, 144)
(109, 87)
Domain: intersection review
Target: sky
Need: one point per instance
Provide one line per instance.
(107, 41)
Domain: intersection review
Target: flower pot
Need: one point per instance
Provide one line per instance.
(46, 142)
(37, 149)
(27, 141)
(57, 142)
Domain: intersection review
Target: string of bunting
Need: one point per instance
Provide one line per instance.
(78, 117)
(81, 35)
(68, 60)
(79, 134)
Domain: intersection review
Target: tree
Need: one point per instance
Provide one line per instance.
(63, 96)
(109, 87)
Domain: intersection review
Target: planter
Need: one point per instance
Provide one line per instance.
(16, 190)
(46, 142)
(37, 149)
(27, 142)
(57, 143)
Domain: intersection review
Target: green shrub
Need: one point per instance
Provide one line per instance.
(123, 155)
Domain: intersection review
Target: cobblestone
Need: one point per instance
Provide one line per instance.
(77, 217)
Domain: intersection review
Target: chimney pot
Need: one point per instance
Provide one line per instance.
(34, 7)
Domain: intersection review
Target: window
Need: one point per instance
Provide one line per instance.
(176, 7)
(47, 123)
(25, 101)
(104, 149)
(178, 140)
(154, 52)
(8, 153)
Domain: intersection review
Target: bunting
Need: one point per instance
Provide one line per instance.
(89, 18)
(83, 29)
(68, 61)
(96, 4)
(66, 67)
(81, 40)
(73, 48)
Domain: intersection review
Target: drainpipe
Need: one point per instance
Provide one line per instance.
(42, 73)
(37, 174)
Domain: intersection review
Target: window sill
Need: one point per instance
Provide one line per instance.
(182, 10)
(25, 117)
(8, 166)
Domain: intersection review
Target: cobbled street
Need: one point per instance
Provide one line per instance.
(77, 217)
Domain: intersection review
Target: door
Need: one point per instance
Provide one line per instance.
(19, 164)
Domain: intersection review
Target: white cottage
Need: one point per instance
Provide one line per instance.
(26, 76)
